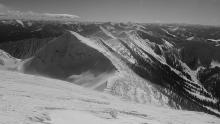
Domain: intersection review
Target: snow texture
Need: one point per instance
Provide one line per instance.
(28, 99)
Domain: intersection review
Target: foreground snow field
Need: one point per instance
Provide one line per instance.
(28, 99)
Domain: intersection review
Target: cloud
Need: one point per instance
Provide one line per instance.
(3, 8)
(6, 12)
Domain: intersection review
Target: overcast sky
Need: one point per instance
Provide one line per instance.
(165, 11)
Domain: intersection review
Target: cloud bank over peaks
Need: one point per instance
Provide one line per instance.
(7, 13)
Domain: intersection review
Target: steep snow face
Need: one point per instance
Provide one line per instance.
(26, 99)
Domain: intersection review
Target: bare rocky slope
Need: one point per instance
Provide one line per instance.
(169, 65)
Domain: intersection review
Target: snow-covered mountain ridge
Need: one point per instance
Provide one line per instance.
(145, 63)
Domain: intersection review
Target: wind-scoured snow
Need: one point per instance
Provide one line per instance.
(26, 99)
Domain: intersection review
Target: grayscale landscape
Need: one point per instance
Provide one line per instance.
(132, 69)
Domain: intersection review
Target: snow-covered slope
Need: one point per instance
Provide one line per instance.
(8, 62)
(26, 99)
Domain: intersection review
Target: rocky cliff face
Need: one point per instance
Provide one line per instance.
(169, 65)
